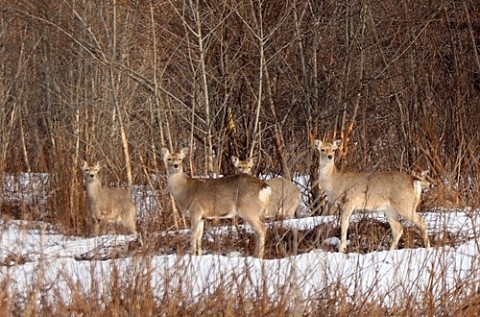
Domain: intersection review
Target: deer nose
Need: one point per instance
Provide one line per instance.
(175, 165)
(330, 157)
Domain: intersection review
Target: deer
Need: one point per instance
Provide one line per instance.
(216, 198)
(285, 197)
(394, 193)
(107, 204)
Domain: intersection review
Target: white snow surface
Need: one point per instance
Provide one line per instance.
(53, 259)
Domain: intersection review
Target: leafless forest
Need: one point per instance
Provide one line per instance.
(113, 81)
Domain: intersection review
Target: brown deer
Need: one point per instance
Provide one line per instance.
(285, 197)
(214, 198)
(108, 204)
(394, 193)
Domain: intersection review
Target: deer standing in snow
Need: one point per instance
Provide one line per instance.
(285, 197)
(394, 193)
(108, 204)
(214, 198)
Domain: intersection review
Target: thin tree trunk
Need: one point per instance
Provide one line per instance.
(117, 109)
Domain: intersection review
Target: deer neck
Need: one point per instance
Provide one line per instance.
(328, 173)
(93, 188)
(177, 183)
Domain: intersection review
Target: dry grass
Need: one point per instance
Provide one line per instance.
(131, 294)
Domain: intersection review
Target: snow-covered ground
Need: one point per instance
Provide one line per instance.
(29, 251)
(33, 255)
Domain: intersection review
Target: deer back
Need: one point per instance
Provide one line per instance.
(374, 190)
(285, 198)
(105, 202)
(365, 190)
(110, 203)
(220, 197)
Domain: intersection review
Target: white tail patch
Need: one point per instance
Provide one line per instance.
(265, 194)
(418, 188)
(285, 196)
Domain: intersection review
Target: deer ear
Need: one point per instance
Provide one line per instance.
(318, 143)
(250, 162)
(184, 152)
(84, 165)
(235, 160)
(337, 144)
(98, 166)
(164, 151)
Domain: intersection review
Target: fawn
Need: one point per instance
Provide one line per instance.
(285, 197)
(107, 204)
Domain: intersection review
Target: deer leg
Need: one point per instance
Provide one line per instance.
(260, 232)
(418, 220)
(345, 214)
(397, 229)
(131, 227)
(420, 223)
(96, 226)
(196, 235)
(130, 222)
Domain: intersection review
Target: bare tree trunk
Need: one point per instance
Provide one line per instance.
(117, 108)
(156, 92)
(278, 132)
(204, 82)
(346, 129)
(261, 48)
